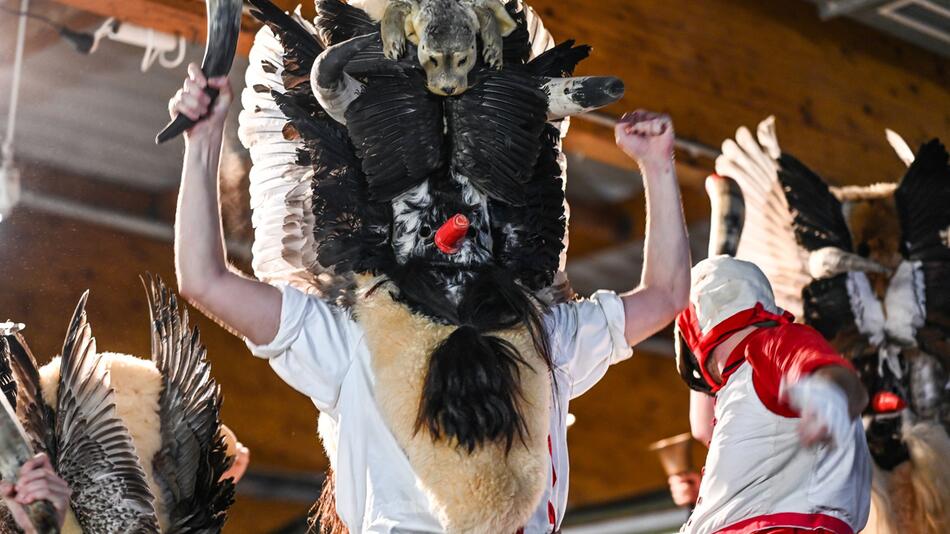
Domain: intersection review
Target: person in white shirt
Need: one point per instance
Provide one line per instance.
(320, 350)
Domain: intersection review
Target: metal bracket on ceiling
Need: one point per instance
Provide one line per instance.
(829, 9)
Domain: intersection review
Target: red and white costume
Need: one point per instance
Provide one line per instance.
(758, 476)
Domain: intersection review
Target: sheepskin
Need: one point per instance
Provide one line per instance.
(914, 498)
(137, 385)
(487, 491)
(853, 193)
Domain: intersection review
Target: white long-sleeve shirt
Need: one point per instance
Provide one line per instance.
(319, 350)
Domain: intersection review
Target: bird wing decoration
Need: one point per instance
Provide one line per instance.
(491, 155)
(918, 298)
(283, 250)
(8, 385)
(32, 410)
(394, 136)
(94, 452)
(768, 238)
(193, 456)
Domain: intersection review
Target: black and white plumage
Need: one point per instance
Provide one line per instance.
(866, 266)
(389, 165)
(94, 453)
(488, 141)
(88, 445)
(93, 444)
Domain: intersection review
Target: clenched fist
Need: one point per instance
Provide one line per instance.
(192, 101)
(646, 136)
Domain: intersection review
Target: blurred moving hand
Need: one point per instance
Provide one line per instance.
(240, 453)
(685, 488)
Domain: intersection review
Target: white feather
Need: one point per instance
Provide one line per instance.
(900, 146)
(905, 302)
(283, 250)
(867, 309)
(768, 238)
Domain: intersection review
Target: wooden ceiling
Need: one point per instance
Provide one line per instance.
(715, 65)
(712, 64)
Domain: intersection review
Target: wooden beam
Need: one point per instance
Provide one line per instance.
(176, 17)
(715, 66)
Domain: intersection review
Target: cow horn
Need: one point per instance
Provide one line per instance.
(831, 261)
(334, 88)
(572, 96)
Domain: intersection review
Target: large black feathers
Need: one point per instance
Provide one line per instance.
(497, 127)
(338, 22)
(399, 135)
(34, 413)
(559, 61)
(819, 221)
(193, 457)
(396, 126)
(923, 204)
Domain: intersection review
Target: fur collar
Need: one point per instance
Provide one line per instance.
(487, 491)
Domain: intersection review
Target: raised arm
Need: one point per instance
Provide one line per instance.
(248, 307)
(664, 281)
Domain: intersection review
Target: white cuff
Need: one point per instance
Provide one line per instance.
(612, 305)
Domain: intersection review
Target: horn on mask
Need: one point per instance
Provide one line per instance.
(572, 96)
(334, 88)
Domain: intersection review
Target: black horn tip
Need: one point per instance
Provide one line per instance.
(614, 88)
(597, 91)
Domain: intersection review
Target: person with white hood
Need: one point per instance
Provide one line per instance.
(787, 452)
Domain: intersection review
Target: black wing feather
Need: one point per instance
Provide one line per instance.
(818, 219)
(338, 22)
(934, 335)
(827, 308)
(192, 459)
(923, 205)
(36, 416)
(8, 385)
(301, 48)
(396, 127)
(529, 238)
(497, 126)
(559, 61)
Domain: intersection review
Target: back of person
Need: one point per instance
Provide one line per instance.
(759, 476)
(787, 449)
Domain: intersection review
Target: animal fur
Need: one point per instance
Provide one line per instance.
(137, 385)
(913, 497)
(489, 490)
(445, 34)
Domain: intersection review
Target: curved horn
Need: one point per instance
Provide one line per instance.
(572, 96)
(335, 89)
(831, 261)
(727, 216)
(224, 28)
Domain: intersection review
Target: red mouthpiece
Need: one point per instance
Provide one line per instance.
(887, 402)
(449, 237)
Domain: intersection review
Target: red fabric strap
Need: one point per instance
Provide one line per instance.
(814, 522)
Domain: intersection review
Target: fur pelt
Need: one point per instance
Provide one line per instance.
(137, 384)
(914, 498)
(852, 193)
(489, 490)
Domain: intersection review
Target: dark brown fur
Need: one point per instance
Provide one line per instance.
(323, 518)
